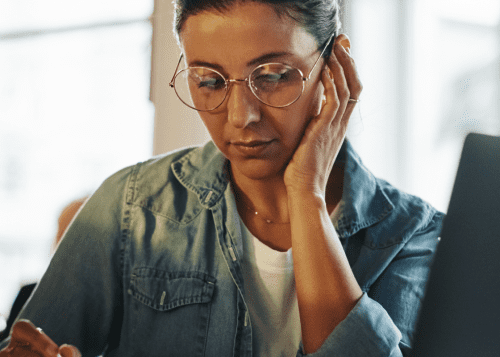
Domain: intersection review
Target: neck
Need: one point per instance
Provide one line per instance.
(269, 196)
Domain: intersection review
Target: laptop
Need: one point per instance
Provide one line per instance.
(460, 315)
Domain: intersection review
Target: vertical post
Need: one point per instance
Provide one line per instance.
(175, 125)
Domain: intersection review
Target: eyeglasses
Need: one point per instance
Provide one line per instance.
(275, 84)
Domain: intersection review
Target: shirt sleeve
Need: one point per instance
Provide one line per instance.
(383, 321)
(79, 298)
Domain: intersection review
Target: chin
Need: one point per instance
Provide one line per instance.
(258, 169)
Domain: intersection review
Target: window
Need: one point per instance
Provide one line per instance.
(431, 74)
(74, 108)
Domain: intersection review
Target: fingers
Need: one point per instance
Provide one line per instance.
(336, 93)
(346, 84)
(347, 78)
(330, 96)
(27, 340)
(340, 81)
(69, 351)
(349, 70)
(24, 333)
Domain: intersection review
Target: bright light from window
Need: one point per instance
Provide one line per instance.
(430, 70)
(483, 12)
(74, 108)
(22, 15)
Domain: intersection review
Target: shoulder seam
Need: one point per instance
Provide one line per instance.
(437, 215)
(131, 184)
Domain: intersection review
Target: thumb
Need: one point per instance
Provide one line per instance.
(69, 351)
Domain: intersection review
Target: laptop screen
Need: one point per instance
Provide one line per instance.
(460, 315)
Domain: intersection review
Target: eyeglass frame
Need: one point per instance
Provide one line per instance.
(228, 82)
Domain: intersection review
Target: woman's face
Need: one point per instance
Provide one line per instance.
(234, 43)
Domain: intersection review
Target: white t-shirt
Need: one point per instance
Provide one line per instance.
(271, 298)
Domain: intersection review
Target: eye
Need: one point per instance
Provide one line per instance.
(211, 83)
(276, 78)
(272, 73)
(206, 79)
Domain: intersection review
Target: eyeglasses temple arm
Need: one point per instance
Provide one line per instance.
(321, 55)
(176, 68)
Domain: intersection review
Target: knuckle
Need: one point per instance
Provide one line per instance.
(344, 93)
(358, 88)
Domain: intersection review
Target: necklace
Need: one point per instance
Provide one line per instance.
(238, 199)
(260, 216)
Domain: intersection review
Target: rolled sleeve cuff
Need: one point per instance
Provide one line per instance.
(368, 330)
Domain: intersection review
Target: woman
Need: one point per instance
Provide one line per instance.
(272, 239)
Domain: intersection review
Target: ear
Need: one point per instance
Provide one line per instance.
(344, 41)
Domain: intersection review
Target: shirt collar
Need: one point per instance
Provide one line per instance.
(363, 203)
(203, 171)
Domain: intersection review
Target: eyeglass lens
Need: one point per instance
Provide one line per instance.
(275, 84)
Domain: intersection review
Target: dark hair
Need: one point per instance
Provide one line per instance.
(320, 18)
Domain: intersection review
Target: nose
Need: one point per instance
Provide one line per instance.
(242, 105)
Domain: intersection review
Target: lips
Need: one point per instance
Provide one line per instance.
(252, 147)
(251, 143)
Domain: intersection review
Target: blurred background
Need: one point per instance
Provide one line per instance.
(78, 81)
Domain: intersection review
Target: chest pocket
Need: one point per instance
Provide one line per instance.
(163, 291)
(170, 311)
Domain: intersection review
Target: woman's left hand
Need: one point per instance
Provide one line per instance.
(26, 340)
(312, 162)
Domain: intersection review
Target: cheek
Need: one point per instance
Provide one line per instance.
(215, 130)
(310, 106)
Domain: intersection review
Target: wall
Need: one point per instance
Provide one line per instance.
(175, 125)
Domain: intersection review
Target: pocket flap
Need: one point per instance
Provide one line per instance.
(162, 290)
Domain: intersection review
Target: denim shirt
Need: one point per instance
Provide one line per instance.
(151, 264)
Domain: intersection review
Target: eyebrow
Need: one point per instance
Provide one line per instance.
(259, 60)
